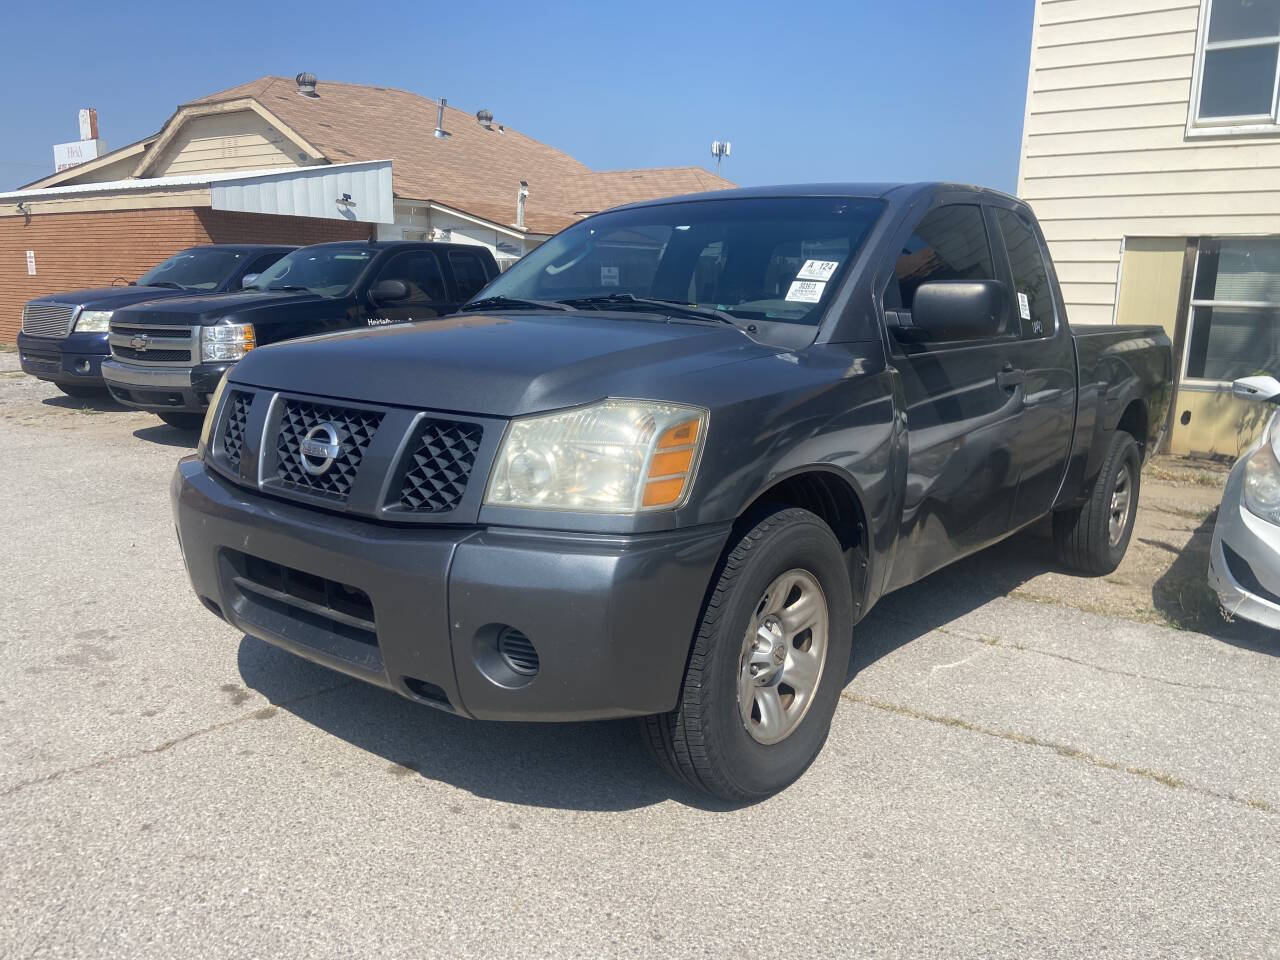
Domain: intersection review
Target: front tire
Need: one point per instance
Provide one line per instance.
(183, 421)
(767, 666)
(1093, 538)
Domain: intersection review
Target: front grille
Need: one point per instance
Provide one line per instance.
(355, 429)
(330, 616)
(143, 343)
(237, 418)
(47, 320)
(442, 453)
(152, 356)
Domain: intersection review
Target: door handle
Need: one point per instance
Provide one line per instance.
(1008, 378)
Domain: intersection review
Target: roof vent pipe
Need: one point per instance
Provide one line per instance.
(440, 132)
(306, 84)
(520, 199)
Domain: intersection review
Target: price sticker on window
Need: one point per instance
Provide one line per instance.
(818, 270)
(806, 291)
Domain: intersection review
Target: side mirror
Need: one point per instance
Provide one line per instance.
(388, 290)
(248, 280)
(957, 310)
(1263, 388)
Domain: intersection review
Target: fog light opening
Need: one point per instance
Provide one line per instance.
(505, 655)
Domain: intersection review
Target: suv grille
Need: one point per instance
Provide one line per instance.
(154, 356)
(233, 434)
(355, 429)
(46, 320)
(441, 455)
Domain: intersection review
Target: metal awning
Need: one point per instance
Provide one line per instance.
(338, 191)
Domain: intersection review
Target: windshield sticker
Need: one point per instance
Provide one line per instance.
(806, 291)
(817, 270)
(1024, 306)
(608, 276)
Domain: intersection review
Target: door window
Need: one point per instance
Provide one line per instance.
(1032, 295)
(419, 271)
(468, 273)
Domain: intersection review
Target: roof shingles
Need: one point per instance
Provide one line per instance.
(475, 170)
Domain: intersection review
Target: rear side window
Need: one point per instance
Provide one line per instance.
(1033, 299)
(468, 273)
(949, 244)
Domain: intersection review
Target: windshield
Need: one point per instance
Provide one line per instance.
(772, 258)
(329, 270)
(195, 269)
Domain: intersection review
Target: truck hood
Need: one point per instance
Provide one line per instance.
(206, 309)
(501, 366)
(112, 298)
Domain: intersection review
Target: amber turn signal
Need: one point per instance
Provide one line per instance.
(672, 464)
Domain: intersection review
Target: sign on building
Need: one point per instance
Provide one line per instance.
(88, 147)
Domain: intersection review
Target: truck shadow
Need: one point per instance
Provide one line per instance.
(167, 436)
(98, 403)
(581, 766)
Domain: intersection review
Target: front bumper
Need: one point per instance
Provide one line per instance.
(153, 387)
(1244, 559)
(611, 617)
(75, 359)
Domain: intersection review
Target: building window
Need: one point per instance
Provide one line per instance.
(1235, 310)
(1236, 60)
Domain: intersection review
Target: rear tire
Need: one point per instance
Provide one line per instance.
(183, 421)
(767, 665)
(1093, 538)
(82, 391)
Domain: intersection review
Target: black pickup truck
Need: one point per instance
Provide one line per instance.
(64, 335)
(664, 464)
(168, 357)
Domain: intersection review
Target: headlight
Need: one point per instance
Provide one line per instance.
(617, 456)
(1262, 478)
(226, 341)
(93, 321)
(210, 415)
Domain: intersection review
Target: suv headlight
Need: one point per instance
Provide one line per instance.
(1262, 477)
(211, 415)
(616, 456)
(93, 321)
(226, 341)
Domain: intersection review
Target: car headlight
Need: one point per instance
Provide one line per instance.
(226, 341)
(93, 321)
(616, 456)
(1262, 478)
(210, 415)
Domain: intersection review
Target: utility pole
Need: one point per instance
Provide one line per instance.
(720, 149)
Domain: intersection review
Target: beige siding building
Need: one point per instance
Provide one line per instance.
(1151, 155)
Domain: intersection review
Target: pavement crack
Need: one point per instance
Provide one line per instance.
(167, 744)
(1062, 749)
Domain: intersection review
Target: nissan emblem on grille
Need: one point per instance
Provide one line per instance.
(319, 448)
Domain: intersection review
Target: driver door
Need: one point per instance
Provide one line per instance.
(962, 421)
(426, 296)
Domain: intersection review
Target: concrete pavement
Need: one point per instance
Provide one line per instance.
(1004, 778)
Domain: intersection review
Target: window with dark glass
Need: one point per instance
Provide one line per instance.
(1238, 60)
(468, 273)
(1030, 278)
(1235, 309)
(419, 271)
(949, 244)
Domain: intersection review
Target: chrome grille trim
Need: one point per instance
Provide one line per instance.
(52, 320)
(171, 340)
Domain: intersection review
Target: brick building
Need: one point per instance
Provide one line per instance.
(278, 160)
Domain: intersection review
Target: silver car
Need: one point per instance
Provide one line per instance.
(1244, 559)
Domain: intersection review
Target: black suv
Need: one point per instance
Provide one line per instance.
(168, 357)
(64, 335)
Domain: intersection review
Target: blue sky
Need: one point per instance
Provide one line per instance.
(853, 90)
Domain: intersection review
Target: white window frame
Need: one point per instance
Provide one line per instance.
(1246, 125)
(1205, 384)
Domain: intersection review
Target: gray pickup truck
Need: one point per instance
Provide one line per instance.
(664, 465)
